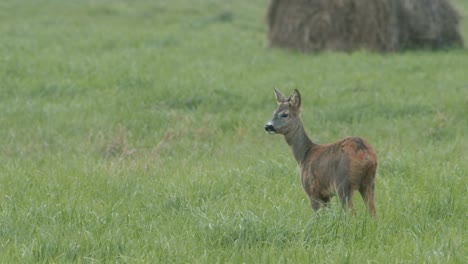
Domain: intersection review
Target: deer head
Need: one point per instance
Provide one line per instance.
(286, 117)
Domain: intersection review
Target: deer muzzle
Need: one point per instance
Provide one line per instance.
(270, 128)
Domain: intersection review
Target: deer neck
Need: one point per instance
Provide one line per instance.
(299, 142)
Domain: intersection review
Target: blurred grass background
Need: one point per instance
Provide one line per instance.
(132, 131)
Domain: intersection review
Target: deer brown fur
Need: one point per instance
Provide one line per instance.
(342, 167)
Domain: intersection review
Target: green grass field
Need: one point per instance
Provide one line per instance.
(132, 132)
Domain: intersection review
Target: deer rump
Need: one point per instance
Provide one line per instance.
(338, 168)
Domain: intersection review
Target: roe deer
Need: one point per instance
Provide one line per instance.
(341, 167)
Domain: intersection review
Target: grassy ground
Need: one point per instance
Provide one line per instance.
(132, 131)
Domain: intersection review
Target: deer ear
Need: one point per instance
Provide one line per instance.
(280, 98)
(295, 99)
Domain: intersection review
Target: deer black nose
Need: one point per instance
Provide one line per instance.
(269, 128)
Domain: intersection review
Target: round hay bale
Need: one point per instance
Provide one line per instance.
(429, 24)
(346, 25)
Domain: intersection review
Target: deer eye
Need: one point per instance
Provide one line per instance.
(284, 115)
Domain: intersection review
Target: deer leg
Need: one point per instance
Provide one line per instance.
(315, 204)
(318, 203)
(345, 194)
(367, 193)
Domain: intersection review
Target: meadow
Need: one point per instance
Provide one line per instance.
(132, 132)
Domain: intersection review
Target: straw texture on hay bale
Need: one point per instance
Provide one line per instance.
(379, 25)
